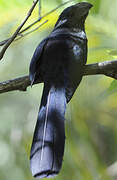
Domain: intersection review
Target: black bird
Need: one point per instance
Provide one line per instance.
(58, 60)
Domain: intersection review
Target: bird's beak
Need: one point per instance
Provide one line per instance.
(90, 5)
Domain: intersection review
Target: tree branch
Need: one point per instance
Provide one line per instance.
(108, 68)
(20, 33)
(20, 84)
(18, 29)
(112, 170)
(35, 29)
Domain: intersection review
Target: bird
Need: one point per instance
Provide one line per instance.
(59, 61)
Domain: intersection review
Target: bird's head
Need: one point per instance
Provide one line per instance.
(74, 16)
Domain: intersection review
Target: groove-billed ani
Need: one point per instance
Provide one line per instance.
(59, 61)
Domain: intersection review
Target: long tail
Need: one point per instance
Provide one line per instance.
(49, 137)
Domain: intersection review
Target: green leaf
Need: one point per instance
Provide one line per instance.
(113, 86)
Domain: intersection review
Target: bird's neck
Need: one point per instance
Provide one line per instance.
(66, 27)
(76, 32)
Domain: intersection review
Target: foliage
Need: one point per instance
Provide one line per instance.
(91, 129)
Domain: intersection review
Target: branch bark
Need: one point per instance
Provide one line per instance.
(108, 68)
(112, 170)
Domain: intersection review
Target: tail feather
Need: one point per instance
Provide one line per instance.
(49, 137)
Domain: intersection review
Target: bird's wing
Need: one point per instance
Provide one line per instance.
(36, 60)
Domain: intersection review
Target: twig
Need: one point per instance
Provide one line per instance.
(108, 68)
(25, 34)
(35, 22)
(18, 29)
(45, 15)
(39, 9)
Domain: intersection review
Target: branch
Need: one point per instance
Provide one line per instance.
(35, 29)
(20, 84)
(18, 29)
(45, 15)
(20, 34)
(112, 170)
(108, 68)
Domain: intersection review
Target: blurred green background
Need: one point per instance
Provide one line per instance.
(91, 117)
